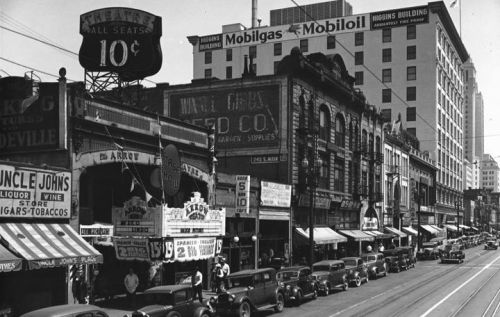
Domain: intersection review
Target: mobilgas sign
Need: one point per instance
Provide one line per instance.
(399, 17)
(34, 193)
(354, 23)
(121, 40)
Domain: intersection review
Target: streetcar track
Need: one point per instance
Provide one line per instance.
(491, 303)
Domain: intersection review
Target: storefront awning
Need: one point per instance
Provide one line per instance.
(395, 231)
(357, 235)
(464, 227)
(429, 229)
(410, 231)
(8, 261)
(451, 227)
(379, 235)
(437, 228)
(474, 228)
(48, 245)
(323, 235)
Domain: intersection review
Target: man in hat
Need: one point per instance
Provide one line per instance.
(219, 278)
(226, 271)
(197, 282)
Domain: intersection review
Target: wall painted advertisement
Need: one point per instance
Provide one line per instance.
(399, 17)
(34, 193)
(275, 195)
(243, 118)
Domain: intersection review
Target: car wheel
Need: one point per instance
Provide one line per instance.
(245, 310)
(298, 298)
(280, 303)
(315, 293)
(205, 314)
(358, 281)
(327, 290)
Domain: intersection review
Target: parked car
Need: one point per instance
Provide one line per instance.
(173, 300)
(250, 291)
(70, 310)
(430, 251)
(452, 254)
(330, 275)
(375, 264)
(396, 260)
(409, 256)
(491, 244)
(298, 284)
(357, 271)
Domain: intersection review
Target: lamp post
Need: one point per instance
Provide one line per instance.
(419, 195)
(457, 206)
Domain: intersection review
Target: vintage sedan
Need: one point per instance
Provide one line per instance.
(330, 275)
(430, 251)
(408, 255)
(298, 284)
(375, 263)
(172, 300)
(250, 291)
(395, 260)
(357, 270)
(70, 310)
(491, 244)
(452, 254)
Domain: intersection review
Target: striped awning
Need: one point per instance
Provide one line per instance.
(429, 229)
(8, 261)
(410, 231)
(48, 245)
(395, 231)
(323, 235)
(357, 235)
(379, 235)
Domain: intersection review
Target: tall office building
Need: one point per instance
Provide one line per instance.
(473, 116)
(479, 133)
(310, 12)
(407, 61)
(490, 173)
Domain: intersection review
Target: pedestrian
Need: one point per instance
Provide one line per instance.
(197, 284)
(131, 282)
(226, 271)
(219, 278)
(381, 247)
(79, 289)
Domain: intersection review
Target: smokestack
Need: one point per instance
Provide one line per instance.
(254, 14)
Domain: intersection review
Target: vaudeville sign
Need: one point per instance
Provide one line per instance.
(121, 40)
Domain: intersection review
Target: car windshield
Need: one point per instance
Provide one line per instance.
(321, 268)
(286, 275)
(241, 281)
(368, 258)
(350, 262)
(159, 299)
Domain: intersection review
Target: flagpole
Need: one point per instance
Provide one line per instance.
(161, 162)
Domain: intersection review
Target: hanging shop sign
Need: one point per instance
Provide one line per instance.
(96, 230)
(137, 219)
(399, 17)
(121, 40)
(242, 194)
(34, 193)
(243, 117)
(275, 195)
(192, 249)
(195, 219)
(171, 167)
(131, 249)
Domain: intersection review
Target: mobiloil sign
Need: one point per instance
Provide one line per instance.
(354, 23)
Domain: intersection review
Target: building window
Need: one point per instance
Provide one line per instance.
(386, 75)
(386, 115)
(252, 51)
(229, 55)
(208, 73)
(330, 42)
(253, 68)
(358, 38)
(358, 76)
(411, 73)
(386, 55)
(411, 93)
(411, 32)
(386, 95)
(339, 131)
(324, 169)
(208, 57)
(411, 114)
(386, 35)
(412, 131)
(304, 45)
(324, 124)
(229, 72)
(358, 58)
(411, 52)
(277, 49)
(275, 65)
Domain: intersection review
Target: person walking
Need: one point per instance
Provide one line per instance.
(197, 283)
(226, 271)
(131, 282)
(219, 278)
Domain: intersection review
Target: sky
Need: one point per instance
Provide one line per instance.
(57, 22)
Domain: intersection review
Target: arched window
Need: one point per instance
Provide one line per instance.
(351, 135)
(364, 141)
(339, 131)
(324, 123)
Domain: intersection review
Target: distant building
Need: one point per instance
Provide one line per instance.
(490, 173)
(310, 12)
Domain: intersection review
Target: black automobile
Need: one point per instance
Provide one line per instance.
(408, 255)
(330, 275)
(395, 260)
(173, 300)
(491, 244)
(452, 254)
(429, 251)
(375, 264)
(298, 284)
(68, 310)
(250, 291)
(357, 270)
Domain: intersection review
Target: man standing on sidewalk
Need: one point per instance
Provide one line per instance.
(131, 282)
(197, 282)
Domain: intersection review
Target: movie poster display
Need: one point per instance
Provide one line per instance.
(136, 219)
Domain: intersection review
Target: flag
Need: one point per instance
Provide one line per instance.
(132, 186)
(453, 3)
(148, 196)
(124, 167)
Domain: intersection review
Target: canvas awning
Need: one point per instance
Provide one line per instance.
(437, 228)
(474, 228)
(396, 232)
(8, 261)
(410, 231)
(379, 235)
(48, 245)
(464, 227)
(429, 229)
(451, 227)
(322, 235)
(357, 235)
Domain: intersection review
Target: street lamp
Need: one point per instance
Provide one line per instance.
(457, 206)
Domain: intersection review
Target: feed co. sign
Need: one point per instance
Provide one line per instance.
(34, 193)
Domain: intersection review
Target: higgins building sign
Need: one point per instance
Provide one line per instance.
(34, 193)
(243, 118)
(121, 40)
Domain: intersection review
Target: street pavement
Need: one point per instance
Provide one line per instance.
(431, 289)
